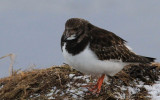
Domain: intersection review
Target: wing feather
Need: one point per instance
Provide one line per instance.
(107, 45)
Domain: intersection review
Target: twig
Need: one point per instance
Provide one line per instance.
(12, 58)
(57, 72)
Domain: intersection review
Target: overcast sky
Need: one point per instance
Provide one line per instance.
(31, 29)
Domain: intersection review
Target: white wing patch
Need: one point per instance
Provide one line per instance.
(128, 47)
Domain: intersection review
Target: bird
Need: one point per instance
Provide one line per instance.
(96, 51)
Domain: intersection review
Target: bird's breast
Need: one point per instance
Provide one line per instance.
(87, 62)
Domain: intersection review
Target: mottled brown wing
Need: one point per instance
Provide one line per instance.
(107, 45)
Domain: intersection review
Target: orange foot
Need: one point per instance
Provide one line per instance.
(96, 88)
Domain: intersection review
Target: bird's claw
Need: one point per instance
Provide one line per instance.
(93, 88)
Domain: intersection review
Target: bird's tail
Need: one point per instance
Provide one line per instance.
(149, 59)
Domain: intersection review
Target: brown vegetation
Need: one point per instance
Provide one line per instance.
(59, 82)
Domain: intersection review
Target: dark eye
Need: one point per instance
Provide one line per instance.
(75, 29)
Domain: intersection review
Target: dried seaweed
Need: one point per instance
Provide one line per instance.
(59, 82)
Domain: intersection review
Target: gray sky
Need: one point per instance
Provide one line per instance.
(32, 29)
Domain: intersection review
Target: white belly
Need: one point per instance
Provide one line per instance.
(87, 62)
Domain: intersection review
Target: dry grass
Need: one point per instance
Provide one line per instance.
(59, 82)
(12, 59)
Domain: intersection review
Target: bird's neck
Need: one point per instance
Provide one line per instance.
(76, 46)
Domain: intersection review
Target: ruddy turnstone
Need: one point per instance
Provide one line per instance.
(96, 51)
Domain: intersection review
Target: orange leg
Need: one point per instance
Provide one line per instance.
(97, 87)
(99, 83)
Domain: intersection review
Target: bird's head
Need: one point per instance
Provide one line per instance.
(74, 28)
